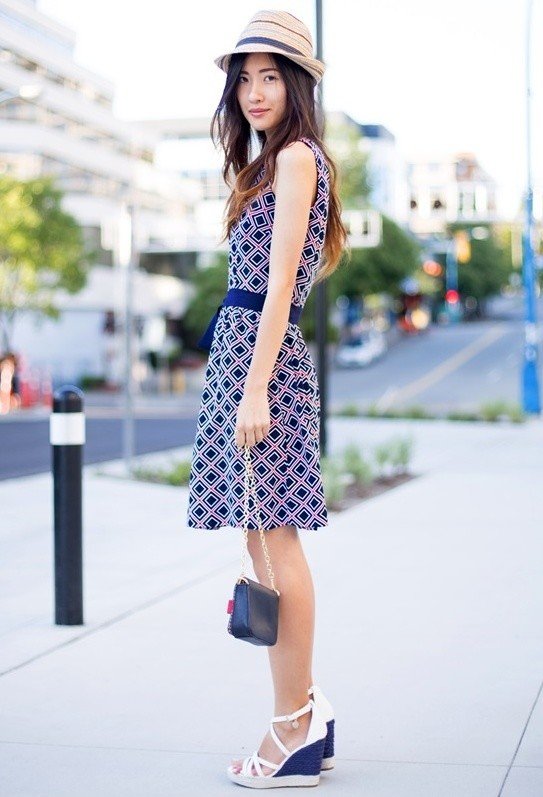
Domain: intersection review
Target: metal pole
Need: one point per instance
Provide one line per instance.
(530, 380)
(321, 292)
(128, 391)
(67, 437)
(451, 279)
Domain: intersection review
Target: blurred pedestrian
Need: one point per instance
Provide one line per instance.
(9, 383)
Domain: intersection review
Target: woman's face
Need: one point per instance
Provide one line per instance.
(261, 87)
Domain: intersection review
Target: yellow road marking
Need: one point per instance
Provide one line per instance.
(447, 366)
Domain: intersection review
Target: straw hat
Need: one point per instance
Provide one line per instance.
(277, 32)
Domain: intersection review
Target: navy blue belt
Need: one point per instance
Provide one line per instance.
(239, 297)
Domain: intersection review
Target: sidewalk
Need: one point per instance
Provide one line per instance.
(428, 637)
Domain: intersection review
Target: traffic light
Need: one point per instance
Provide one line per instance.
(462, 246)
(452, 296)
(432, 268)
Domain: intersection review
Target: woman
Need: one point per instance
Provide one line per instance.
(260, 387)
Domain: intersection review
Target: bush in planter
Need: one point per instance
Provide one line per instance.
(333, 480)
(355, 464)
(501, 410)
(382, 456)
(401, 450)
(92, 382)
(177, 474)
(349, 411)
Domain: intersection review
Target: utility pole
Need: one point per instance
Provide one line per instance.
(321, 303)
(530, 379)
(127, 257)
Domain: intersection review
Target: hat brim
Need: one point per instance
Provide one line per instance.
(315, 67)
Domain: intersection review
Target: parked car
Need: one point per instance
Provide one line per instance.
(362, 350)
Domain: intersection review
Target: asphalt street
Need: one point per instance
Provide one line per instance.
(456, 367)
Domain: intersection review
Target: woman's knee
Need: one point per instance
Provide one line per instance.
(279, 542)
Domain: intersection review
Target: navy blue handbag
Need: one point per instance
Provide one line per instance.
(254, 609)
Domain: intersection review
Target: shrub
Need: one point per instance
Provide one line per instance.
(349, 411)
(416, 411)
(461, 415)
(355, 464)
(333, 482)
(401, 450)
(499, 410)
(382, 454)
(177, 475)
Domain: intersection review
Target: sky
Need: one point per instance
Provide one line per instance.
(444, 76)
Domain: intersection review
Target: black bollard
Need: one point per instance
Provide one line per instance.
(67, 437)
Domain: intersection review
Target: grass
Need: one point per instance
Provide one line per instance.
(489, 412)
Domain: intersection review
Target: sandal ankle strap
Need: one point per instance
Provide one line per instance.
(295, 714)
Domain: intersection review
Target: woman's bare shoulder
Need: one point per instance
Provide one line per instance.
(296, 153)
(294, 162)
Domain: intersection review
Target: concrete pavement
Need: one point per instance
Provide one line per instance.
(428, 638)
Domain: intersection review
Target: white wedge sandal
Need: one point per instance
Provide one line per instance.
(301, 767)
(327, 712)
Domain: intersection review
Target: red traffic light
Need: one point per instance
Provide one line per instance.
(452, 296)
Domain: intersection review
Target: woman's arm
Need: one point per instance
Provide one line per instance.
(296, 180)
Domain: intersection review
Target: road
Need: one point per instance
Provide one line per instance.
(455, 367)
(452, 367)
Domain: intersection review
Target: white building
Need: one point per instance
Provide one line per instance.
(56, 119)
(449, 189)
(185, 146)
(386, 168)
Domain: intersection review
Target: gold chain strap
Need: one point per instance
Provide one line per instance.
(249, 477)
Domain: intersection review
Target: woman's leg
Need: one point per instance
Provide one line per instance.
(291, 656)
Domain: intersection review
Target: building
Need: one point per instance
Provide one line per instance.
(386, 168)
(449, 189)
(185, 146)
(56, 119)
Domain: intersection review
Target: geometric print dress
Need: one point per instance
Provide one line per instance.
(286, 463)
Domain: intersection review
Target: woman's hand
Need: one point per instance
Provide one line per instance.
(253, 418)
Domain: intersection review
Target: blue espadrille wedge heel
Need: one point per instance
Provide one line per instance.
(327, 713)
(301, 767)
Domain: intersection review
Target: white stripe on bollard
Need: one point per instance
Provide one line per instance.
(67, 428)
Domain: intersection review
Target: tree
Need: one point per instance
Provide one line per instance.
(378, 269)
(373, 270)
(489, 267)
(41, 250)
(210, 284)
(345, 145)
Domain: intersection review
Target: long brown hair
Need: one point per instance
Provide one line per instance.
(232, 130)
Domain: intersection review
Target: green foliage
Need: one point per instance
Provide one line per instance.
(380, 269)
(210, 284)
(91, 382)
(401, 451)
(501, 410)
(349, 411)
(416, 411)
(393, 455)
(355, 464)
(382, 454)
(490, 265)
(42, 250)
(344, 142)
(462, 415)
(307, 321)
(176, 475)
(332, 480)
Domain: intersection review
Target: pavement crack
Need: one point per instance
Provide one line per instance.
(164, 596)
(517, 748)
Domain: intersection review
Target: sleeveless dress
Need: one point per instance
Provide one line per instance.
(286, 463)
